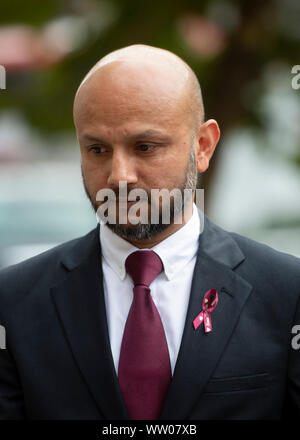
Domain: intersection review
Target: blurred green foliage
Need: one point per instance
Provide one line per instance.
(263, 32)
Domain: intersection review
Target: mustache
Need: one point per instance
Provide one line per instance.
(146, 194)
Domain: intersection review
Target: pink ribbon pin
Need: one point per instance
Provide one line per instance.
(209, 303)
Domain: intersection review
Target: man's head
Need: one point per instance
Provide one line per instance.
(139, 118)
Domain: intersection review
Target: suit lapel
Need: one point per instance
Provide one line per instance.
(79, 300)
(199, 352)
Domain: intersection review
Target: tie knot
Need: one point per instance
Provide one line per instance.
(143, 267)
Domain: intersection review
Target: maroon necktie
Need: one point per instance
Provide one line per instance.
(144, 366)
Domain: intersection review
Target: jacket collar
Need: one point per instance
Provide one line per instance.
(79, 300)
(214, 241)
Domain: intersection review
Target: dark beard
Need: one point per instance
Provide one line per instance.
(147, 231)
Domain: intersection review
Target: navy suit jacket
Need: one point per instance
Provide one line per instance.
(58, 363)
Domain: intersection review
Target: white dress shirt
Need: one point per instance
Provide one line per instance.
(170, 290)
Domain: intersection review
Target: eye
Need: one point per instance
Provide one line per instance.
(97, 149)
(146, 147)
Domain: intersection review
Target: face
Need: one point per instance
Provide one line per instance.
(132, 127)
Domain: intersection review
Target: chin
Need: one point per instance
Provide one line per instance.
(137, 232)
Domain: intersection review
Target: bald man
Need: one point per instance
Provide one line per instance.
(139, 319)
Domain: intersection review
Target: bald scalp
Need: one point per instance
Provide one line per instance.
(161, 63)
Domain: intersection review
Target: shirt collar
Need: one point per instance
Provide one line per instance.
(183, 243)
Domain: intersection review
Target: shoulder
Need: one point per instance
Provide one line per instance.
(253, 260)
(264, 253)
(272, 275)
(278, 270)
(45, 269)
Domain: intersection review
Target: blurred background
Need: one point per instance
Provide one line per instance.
(243, 53)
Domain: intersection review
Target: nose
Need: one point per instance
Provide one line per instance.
(122, 169)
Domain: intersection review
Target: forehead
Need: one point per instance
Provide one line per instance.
(120, 92)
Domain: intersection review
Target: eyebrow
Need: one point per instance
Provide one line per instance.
(131, 137)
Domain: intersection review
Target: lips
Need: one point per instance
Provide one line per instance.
(126, 203)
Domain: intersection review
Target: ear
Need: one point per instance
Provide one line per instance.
(207, 138)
